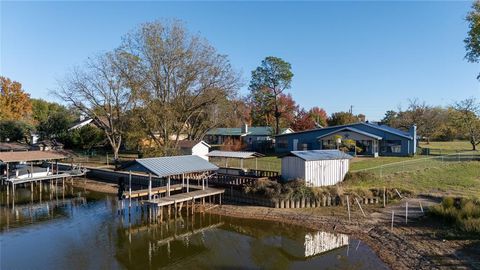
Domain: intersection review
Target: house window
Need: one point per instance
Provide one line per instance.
(391, 146)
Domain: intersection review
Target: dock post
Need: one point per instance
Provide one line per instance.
(183, 180)
(168, 186)
(188, 184)
(129, 191)
(220, 198)
(149, 186)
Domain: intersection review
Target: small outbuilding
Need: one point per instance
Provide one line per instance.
(317, 167)
(190, 147)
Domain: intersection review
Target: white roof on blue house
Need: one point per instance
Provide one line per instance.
(176, 165)
(311, 155)
(355, 130)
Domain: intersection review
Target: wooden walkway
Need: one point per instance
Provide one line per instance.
(183, 197)
(157, 190)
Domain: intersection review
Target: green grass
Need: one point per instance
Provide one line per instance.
(453, 145)
(269, 163)
(455, 178)
(361, 163)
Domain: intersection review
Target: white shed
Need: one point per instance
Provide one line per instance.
(198, 148)
(317, 167)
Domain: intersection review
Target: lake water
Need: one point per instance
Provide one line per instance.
(77, 229)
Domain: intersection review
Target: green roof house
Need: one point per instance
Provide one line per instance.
(251, 138)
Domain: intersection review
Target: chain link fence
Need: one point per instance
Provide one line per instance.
(420, 164)
(253, 164)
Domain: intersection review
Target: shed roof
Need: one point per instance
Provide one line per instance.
(234, 154)
(176, 165)
(355, 130)
(190, 143)
(30, 156)
(310, 155)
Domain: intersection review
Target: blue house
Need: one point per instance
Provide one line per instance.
(373, 139)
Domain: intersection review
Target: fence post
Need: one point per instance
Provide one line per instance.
(348, 207)
(406, 212)
(393, 215)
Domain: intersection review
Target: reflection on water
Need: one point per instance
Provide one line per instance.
(70, 228)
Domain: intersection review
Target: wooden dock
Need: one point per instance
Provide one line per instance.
(184, 197)
(155, 191)
(155, 204)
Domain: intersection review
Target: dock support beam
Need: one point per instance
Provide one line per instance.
(149, 186)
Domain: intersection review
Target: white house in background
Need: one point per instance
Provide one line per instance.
(199, 148)
(81, 123)
(317, 167)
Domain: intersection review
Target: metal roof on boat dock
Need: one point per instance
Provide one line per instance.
(30, 156)
(175, 165)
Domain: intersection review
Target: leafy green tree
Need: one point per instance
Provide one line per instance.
(56, 125)
(472, 41)
(343, 118)
(269, 81)
(85, 138)
(389, 118)
(15, 131)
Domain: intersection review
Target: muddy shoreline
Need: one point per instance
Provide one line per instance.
(408, 246)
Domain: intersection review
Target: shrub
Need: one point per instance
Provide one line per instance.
(464, 213)
(359, 176)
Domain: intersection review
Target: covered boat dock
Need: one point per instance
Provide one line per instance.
(23, 167)
(181, 169)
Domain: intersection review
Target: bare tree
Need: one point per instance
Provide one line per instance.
(98, 91)
(467, 119)
(179, 76)
(427, 118)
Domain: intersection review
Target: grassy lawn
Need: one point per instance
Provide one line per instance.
(454, 145)
(456, 179)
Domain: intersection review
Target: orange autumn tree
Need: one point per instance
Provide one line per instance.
(14, 102)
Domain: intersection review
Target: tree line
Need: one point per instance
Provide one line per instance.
(163, 83)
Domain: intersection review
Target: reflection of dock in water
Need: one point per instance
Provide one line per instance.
(313, 244)
(46, 205)
(321, 242)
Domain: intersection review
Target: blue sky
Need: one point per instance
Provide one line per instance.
(372, 55)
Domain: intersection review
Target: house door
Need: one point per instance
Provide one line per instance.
(295, 144)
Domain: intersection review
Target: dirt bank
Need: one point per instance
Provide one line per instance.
(96, 186)
(408, 246)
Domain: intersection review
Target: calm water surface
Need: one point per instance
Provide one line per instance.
(77, 229)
